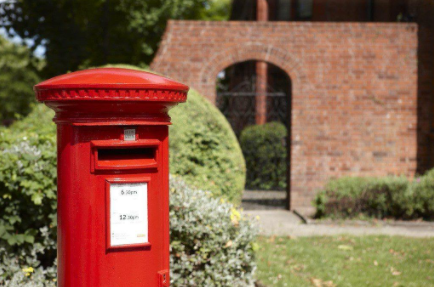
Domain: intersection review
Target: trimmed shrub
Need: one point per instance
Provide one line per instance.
(204, 149)
(265, 153)
(211, 244)
(388, 197)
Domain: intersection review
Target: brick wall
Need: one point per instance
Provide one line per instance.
(354, 97)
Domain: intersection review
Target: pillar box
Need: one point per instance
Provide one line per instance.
(113, 175)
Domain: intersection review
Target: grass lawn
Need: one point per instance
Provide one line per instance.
(346, 261)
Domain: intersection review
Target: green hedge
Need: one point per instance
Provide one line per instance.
(388, 197)
(265, 152)
(423, 196)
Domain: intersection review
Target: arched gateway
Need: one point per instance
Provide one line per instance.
(354, 88)
(250, 51)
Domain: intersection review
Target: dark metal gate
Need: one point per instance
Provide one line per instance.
(239, 105)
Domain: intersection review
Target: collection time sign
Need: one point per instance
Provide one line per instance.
(128, 216)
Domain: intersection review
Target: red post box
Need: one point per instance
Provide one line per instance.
(113, 175)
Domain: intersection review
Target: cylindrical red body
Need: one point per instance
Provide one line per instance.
(113, 173)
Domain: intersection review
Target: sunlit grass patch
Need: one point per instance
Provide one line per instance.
(346, 261)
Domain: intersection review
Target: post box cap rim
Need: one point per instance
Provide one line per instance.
(111, 84)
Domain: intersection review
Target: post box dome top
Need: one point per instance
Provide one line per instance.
(111, 84)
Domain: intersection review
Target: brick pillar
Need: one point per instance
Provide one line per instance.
(261, 92)
(261, 72)
(262, 10)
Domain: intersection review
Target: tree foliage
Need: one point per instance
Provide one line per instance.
(18, 74)
(82, 33)
(216, 10)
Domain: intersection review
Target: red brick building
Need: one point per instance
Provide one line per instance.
(361, 93)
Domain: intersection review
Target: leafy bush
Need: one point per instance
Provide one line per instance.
(388, 197)
(265, 152)
(23, 268)
(211, 244)
(18, 74)
(27, 180)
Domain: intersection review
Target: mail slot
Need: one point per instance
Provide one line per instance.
(126, 157)
(121, 155)
(113, 173)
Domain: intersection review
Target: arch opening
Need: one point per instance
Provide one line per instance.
(255, 97)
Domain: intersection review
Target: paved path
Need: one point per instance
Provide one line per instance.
(263, 200)
(285, 223)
